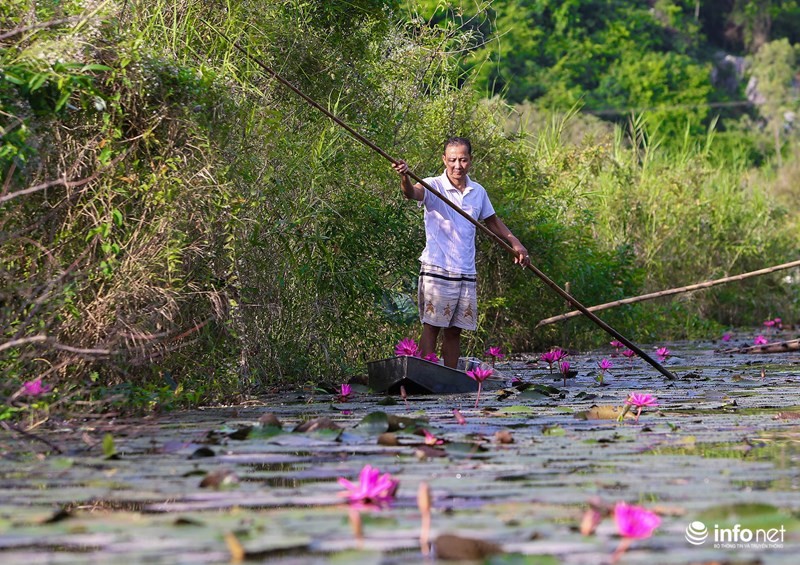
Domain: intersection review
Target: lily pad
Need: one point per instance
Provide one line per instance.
(516, 409)
(374, 423)
(603, 413)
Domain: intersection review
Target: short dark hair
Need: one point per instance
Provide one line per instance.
(459, 141)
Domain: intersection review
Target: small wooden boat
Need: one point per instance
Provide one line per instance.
(419, 376)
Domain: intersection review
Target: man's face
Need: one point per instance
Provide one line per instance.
(457, 162)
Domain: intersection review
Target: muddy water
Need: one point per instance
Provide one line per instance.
(722, 448)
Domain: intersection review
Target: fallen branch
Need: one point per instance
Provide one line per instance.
(54, 344)
(51, 23)
(64, 182)
(774, 347)
(669, 292)
(26, 434)
(49, 184)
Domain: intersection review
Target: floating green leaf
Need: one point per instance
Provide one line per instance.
(374, 423)
(109, 450)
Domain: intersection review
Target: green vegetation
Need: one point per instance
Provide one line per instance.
(177, 228)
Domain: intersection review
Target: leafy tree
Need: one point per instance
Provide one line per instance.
(669, 87)
(742, 26)
(774, 68)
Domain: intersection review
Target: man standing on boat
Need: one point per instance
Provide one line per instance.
(447, 278)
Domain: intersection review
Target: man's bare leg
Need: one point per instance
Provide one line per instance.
(451, 346)
(427, 343)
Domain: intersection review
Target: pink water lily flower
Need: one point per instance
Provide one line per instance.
(431, 357)
(727, 336)
(549, 358)
(769, 323)
(760, 340)
(629, 353)
(406, 347)
(662, 353)
(479, 375)
(604, 365)
(553, 356)
(640, 400)
(371, 490)
(495, 353)
(34, 388)
(633, 522)
(431, 439)
(345, 392)
(564, 367)
(616, 344)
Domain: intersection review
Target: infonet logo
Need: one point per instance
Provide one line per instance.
(696, 533)
(736, 537)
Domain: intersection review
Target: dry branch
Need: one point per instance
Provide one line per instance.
(63, 181)
(25, 433)
(669, 292)
(774, 347)
(51, 23)
(54, 344)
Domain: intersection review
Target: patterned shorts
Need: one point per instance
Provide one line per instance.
(447, 299)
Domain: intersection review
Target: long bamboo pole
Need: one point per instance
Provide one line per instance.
(669, 292)
(774, 347)
(486, 231)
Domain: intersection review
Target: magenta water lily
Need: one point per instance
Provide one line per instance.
(479, 375)
(564, 367)
(345, 392)
(432, 357)
(776, 323)
(640, 401)
(604, 365)
(553, 356)
(633, 522)
(431, 439)
(495, 353)
(372, 490)
(663, 353)
(549, 358)
(406, 347)
(760, 340)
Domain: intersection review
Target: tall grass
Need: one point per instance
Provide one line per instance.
(617, 214)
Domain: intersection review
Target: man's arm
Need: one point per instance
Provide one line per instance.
(497, 227)
(410, 191)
